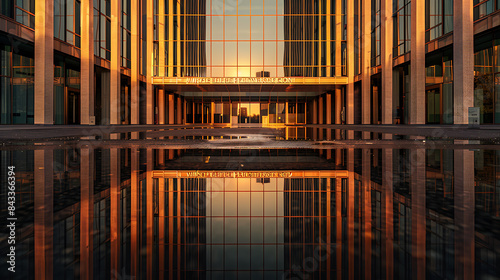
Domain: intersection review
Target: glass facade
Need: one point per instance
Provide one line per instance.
(242, 38)
(487, 80)
(439, 18)
(17, 84)
(402, 27)
(67, 21)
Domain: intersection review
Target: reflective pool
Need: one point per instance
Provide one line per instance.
(341, 208)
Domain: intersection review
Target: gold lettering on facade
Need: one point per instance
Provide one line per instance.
(265, 80)
(239, 174)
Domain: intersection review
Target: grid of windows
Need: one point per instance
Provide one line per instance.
(67, 21)
(243, 38)
(483, 8)
(22, 11)
(402, 27)
(438, 18)
(102, 29)
(126, 35)
(376, 35)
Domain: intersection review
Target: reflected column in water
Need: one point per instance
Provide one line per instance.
(418, 217)
(387, 214)
(44, 207)
(350, 214)
(86, 212)
(464, 213)
(115, 214)
(367, 213)
(134, 211)
(149, 214)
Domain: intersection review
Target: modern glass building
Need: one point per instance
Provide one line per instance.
(255, 62)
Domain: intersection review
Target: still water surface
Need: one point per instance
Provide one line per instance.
(327, 213)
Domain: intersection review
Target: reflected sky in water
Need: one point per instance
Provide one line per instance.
(101, 213)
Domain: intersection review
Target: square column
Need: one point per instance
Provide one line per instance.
(366, 41)
(44, 62)
(350, 63)
(115, 64)
(171, 107)
(328, 108)
(87, 62)
(161, 106)
(179, 110)
(135, 62)
(149, 62)
(386, 29)
(417, 56)
(463, 60)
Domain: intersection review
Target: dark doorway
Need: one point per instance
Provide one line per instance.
(72, 106)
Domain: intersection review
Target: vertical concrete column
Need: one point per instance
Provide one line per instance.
(329, 39)
(149, 63)
(44, 62)
(161, 106)
(320, 109)
(463, 60)
(134, 211)
(115, 63)
(366, 41)
(135, 62)
(418, 218)
(179, 110)
(338, 227)
(464, 213)
(171, 106)
(171, 38)
(386, 44)
(149, 214)
(44, 210)
(115, 213)
(87, 62)
(86, 212)
(179, 7)
(161, 38)
(387, 215)
(417, 71)
(320, 38)
(328, 108)
(286, 112)
(212, 109)
(350, 62)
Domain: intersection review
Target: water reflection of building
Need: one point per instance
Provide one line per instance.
(106, 216)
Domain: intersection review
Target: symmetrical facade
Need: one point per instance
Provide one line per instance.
(243, 62)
